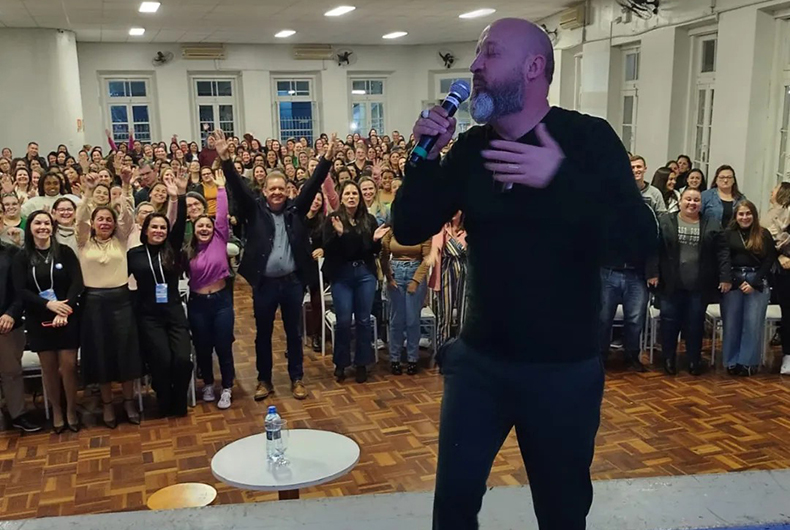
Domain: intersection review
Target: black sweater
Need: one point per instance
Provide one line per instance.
(67, 276)
(534, 254)
(740, 256)
(137, 259)
(354, 245)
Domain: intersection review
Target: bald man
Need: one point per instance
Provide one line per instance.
(545, 192)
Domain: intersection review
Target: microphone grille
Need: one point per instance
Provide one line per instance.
(460, 87)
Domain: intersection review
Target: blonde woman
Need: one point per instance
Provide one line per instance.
(370, 194)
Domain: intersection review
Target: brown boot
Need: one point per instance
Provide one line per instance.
(298, 389)
(264, 389)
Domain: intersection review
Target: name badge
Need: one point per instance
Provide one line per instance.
(48, 294)
(161, 293)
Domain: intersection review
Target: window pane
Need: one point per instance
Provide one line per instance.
(358, 117)
(226, 113)
(786, 108)
(302, 88)
(708, 56)
(377, 116)
(701, 107)
(142, 132)
(698, 155)
(140, 113)
(296, 119)
(283, 87)
(224, 88)
(632, 66)
(628, 110)
(138, 89)
(627, 136)
(376, 87)
(206, 113)
(116, 89)
(444, 85)
(710, 108)
(204, 88)
(782, 153)
(119, 114)
(120, 132)
(358, 85)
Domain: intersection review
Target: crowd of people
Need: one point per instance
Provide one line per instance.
(97, 250)
(119, 264)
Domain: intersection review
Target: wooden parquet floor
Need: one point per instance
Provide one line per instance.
(652, 425)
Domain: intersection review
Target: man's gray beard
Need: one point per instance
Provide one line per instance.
(498, 101)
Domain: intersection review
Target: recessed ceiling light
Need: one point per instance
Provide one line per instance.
(136, 32)
(394, 35)
(478, 13)
(338, 11)
(285, 33)
(149, 7)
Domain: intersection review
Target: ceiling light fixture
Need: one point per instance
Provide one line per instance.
(149, 7)
(478, 13)
(285, 33)
(394, 35)
(136, 32)
(358, 92)
(339, 11)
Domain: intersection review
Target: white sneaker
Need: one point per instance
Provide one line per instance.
(380, 345)
(208, 394)
(224, 399)
(785, 365)
(425, 343)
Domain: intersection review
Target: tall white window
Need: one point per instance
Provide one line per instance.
(577, 81)
(368, 105)
(704, 64)
(128, 105)
(629, 98)
(442, 84)
(216, 106)
(295, 108)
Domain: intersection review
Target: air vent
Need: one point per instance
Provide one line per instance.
(203, 51)
(314, 52)
(572, 18)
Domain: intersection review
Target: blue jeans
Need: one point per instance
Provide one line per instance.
(486, 394)
(352, 293)
(287, 293)
(743, 323)
(211, 321)
(682, 310)
(405, 308)
(629, 288)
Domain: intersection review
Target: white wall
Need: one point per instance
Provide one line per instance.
(408, 70)
(41, 98)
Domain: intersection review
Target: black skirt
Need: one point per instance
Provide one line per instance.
(110, 351)
(47, 338)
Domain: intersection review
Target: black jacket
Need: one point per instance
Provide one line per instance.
(714, 258)
(260, 225)
(351, 246)
(10, 303)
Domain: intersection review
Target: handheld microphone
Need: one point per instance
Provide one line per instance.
(459, 92)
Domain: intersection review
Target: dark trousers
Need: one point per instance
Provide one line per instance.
(164, 341)
(555, 409)
(352, 294)
(287, 293)
(782, 292)
(211, 320)
(629, 288)
(682, 311)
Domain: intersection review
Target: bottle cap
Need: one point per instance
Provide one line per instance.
(272, 409)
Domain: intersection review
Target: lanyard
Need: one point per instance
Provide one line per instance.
(151, 263)
(51, 276)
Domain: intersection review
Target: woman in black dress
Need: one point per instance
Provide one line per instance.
(49, 279)
(161, 322)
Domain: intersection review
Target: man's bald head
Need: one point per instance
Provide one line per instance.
(521, 34)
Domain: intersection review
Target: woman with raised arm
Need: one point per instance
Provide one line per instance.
(109, 341)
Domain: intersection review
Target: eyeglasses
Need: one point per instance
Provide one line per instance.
(64, 210)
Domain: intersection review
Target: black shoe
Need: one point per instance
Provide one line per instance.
(411, 369)
(636, 365)
(362, 374)
(695, 369)
(396, 369)
(76, 426)
(340, 374)
(747, 371)
(317, 343)
(23, 423)
(734, 370)
(669, 367)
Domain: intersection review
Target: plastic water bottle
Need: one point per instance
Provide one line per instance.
(273, 424)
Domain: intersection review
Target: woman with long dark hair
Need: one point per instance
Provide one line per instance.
(211, 313)
(695, 180)
(48, 277)
(51, 187)
(352, 241)
(693, 266)
(109, 342)
(664, 181)
(743, 309)
(314, 222)
(720, 200)
(684, 167)
(161, 322)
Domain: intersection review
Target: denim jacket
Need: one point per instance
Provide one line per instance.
(713, 208)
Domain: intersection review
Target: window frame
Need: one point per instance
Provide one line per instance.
(234, 100)
(149, 100)
(311, 98)
(368, 100)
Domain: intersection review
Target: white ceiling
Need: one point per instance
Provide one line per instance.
(256, 21)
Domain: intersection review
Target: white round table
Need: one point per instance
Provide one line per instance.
(314, 457)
